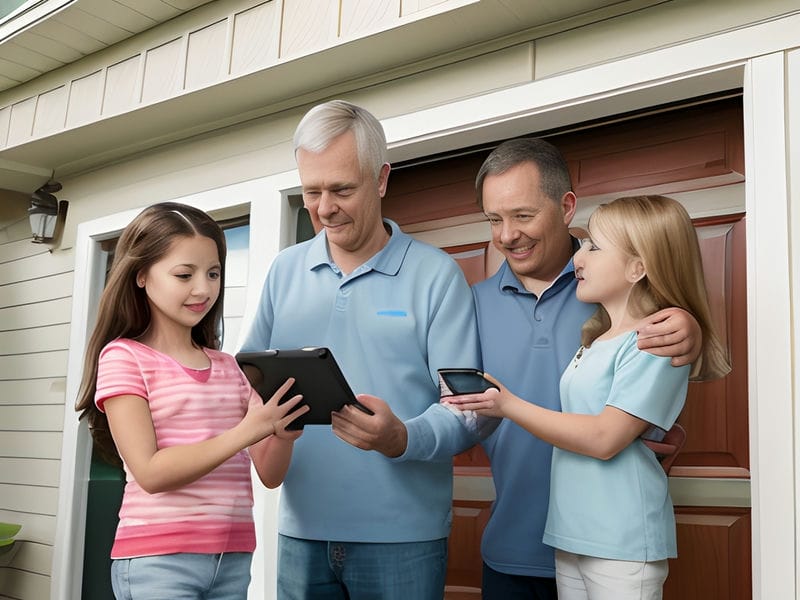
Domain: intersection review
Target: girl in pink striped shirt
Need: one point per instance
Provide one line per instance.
(158, 393)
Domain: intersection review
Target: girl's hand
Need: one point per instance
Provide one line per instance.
(488, 403)
(272, 454)
(267, 418)
(491, 403)
(288, 435)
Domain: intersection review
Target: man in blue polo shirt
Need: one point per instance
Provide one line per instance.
(352, 523)
(529, 321)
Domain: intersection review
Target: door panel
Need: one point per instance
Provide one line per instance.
(710, 563)
(715, 411)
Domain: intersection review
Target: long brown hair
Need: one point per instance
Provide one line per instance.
(658, 230)
(124, 311)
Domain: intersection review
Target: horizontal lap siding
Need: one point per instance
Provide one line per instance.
(32, 585)
(35, 309)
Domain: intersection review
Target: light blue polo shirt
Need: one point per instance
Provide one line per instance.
(619, 508)
(391, 324)
(526, 342)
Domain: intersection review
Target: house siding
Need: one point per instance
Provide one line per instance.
(35, 304)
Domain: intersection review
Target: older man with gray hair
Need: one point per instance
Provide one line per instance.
(354, 523)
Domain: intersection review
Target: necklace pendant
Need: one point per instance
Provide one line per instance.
(578, 356)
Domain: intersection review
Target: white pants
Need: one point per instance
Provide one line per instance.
(581, 577)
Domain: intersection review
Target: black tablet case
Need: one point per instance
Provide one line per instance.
(317, 377)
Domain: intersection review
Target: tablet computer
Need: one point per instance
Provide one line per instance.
(317, 377)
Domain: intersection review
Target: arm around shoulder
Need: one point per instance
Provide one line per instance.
(671, 332)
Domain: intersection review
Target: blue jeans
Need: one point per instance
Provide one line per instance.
(182, 576)
(315, 570)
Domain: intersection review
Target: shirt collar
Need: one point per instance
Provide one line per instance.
(387, 260)
(509, 281)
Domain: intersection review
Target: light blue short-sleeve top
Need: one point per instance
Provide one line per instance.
(527, 341)
(618, 508)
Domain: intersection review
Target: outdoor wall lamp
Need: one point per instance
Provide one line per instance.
(46, 212)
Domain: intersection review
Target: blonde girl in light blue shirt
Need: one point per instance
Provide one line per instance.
(610, 516)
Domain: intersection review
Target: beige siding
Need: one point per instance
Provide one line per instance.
(45, 390)
(255, 41)
(32, 556)
(85, 97)
(206, 56)
(122, 85)
(21, 126)
(664, 25)
(24, 444)
(308, 25)
(48, 312)
(51, 337)
(364, 16)
(32, 585)
(35, 304)
(29, 499)
(30, 471)
(5, 116)
(201, 49)
(163, 71)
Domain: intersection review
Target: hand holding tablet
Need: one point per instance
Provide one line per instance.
(317, 377)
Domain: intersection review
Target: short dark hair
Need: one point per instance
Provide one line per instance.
(553, 170)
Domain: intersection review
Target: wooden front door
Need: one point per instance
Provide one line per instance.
(678, 153)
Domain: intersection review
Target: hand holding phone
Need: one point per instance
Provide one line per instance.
(454, 382)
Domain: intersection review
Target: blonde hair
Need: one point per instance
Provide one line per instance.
(659, 231)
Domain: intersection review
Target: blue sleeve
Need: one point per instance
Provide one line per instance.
(439, 433)
(648, 387)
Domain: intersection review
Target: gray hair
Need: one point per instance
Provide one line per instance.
(553, 170)
(325, 122)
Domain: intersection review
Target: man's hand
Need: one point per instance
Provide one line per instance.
(671, 332)
(381, 431)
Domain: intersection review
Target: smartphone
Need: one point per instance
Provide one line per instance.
(464, 381)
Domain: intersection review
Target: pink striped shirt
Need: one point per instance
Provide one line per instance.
(214, 513)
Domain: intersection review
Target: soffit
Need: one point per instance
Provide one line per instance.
(468, 28)
(46, 35)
